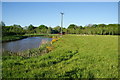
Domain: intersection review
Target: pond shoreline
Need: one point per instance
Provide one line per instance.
(25, 44)
(22, 37)
(19, 37)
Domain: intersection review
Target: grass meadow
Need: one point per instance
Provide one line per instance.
(73, 56)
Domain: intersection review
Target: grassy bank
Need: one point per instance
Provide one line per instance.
(12, 38)
(46, 35)
(18, 37)
(73, 56)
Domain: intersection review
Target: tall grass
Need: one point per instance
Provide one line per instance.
(72, 57)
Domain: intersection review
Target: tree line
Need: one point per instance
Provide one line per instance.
(98, 29)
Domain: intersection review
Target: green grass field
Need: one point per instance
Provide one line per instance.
(73, 56)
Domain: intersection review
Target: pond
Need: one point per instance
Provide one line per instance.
(24, 44)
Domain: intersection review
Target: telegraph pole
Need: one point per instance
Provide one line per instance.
(61, 21)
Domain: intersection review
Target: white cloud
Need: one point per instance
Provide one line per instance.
(60, 0)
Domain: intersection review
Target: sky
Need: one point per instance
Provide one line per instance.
(48, 13)
(60, 0)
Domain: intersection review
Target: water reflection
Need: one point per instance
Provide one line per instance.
(24, 44)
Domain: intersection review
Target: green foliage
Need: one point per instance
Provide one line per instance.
(12, 38)
(43, 27)
(12, 30)
(74, 56)
(101, 25)
(57, 29)
(49, 30)
(100, 29)
(30, 27)
(72, 26)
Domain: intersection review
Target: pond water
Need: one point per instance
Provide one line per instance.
(24, 44)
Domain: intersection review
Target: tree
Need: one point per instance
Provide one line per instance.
(101, 25)
(94, 25)
(57, 29)
(72, 26)
(80, 27)
(30, 27)
(49, 31)
(64, 30)
(18, 26)
(43, 27)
